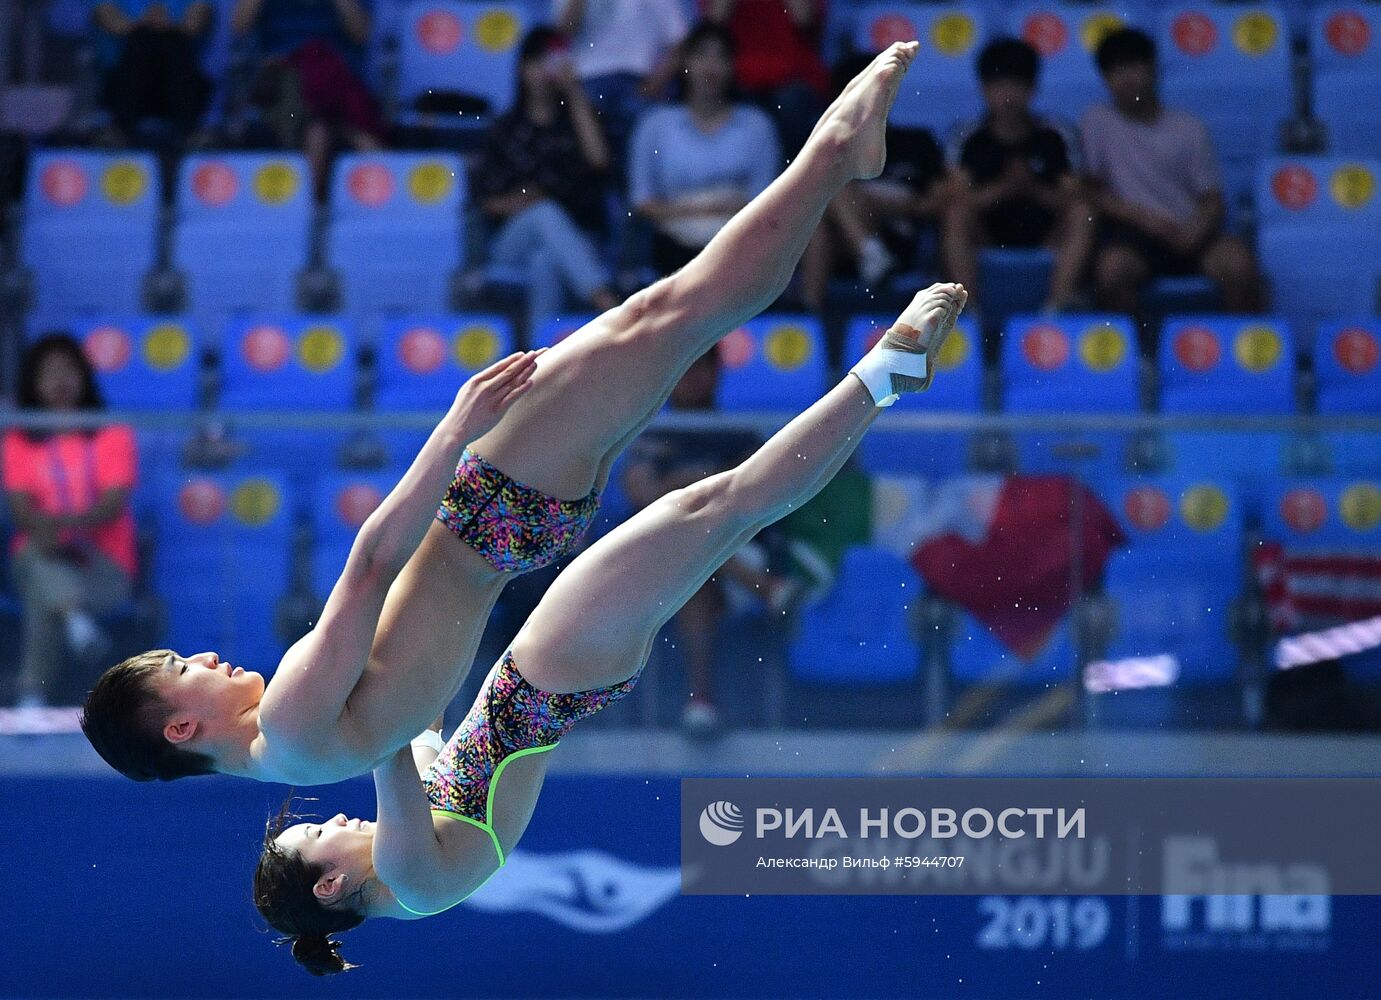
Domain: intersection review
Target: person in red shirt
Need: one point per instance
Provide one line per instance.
(74, 553)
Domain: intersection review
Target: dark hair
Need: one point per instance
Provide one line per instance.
(36, 354)
(701, 33)
(1009, 59)
(122, 720)
(1124, 46)
(283, 895)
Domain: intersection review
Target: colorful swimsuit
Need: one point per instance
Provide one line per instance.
(514, 527)
(509, 719)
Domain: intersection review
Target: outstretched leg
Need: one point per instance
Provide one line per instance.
(595, 625)
(596, 390)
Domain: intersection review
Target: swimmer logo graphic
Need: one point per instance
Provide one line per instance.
(721, 823)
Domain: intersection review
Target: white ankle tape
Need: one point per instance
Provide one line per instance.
(876, 369)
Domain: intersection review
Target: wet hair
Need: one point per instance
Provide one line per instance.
(702, 33)
(37, 353)
(1009, 59)
(123, 720)
(283, 895)
(1122, 47)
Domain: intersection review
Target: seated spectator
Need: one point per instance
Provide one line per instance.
(311, 81)
(540, 179)
(1017, 188)
(74, 552)
(778, 62)
(1156, 187)
(662, 461)
(155, 64)
(694, 164)
(873, 227)
(625, 52)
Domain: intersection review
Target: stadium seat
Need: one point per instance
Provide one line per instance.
(557, 329)
(772, 363)
(340, 504)
(1227, 364)
(941, 90)
(1229, 64)
(395, 231)
(143, 362)
(1345, 48)
(1066, 36)
(468, 49)
(90, 231)
(221, 562)
(976, 656)
(1319, 236)
(1346, 369)
(1071, 363)
(1014, 280)
(860, 632)
(243, 231)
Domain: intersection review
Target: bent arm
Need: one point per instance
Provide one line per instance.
(407, 854)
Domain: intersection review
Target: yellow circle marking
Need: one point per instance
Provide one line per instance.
(1360, 506)
(1352, 185)
(166, 346)
(476, 346)
(1255, 33)
(124, 182)
(321, 348)
(787, 347)
(1203, 508)
(430, 182)
(953, 34)
(1102, 348)
(254, 502)
(496, 31)
(275, 183)
(1097, 27)
(1257, 348)
(954, 351)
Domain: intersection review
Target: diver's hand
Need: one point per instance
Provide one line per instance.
(486, 396)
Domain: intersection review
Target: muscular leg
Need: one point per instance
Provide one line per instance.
(597, 621)
(596, 390)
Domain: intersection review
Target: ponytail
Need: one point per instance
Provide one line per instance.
(318, 954)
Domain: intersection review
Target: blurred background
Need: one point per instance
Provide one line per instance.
(249, 250)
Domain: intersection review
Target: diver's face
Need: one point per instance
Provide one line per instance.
(339, 846)
(205, 696)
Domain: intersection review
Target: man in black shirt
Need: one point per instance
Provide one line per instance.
(1017, 186)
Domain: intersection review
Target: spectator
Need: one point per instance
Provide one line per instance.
(1156, 187)
(624, 52)
(693, 165)
(1017, 188)
(155, 72)
(778, 63)
(663, 461)
(311, 81)
(540, 179)
(874, 226)
(74, 553)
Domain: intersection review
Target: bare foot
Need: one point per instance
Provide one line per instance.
(858, 119)
(931, 315)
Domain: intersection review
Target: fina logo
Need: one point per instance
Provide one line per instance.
(721, 823)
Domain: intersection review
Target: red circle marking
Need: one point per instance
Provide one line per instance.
(891, 28)
(108, 348)
(201, 501)
(1304, 510)
(439, 31)
(63, 183)
(737, 348)
(422, 350)
(1194, 33)
(370, 184)
(1045, 32)
(1348, 33)
(356, 502)
(1197, 348)
(266, 348)
(1045, 347)
(214, 183)
(1356, 350)
(1295, 187)
(1147, 507)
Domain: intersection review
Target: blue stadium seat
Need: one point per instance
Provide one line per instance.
(772, 363)
(1345, 46)
(1319, 236)
(1066, 36)
(288, 363)
(1227, 364)
(1172, 587)
(143, 362)
(243, 232)
(466, 48)
(395, 232)
(1014, 280)
(977, 656)
(90, 230)
(1346, 369)
(557, 329)
(941, 90)
(221, 562)
(340, 503)
(860, 632)
(1229, 64)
